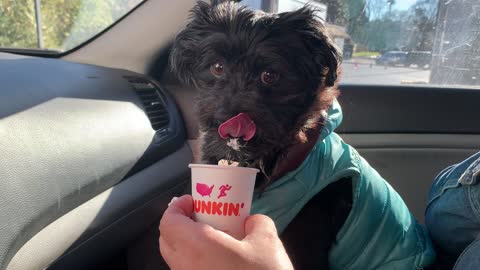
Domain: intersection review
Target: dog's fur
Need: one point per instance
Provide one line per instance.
(294, 45)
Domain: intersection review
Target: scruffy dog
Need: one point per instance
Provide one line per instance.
(265, 82)
(281, 69)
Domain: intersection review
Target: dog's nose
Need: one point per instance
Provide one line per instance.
(221, 116)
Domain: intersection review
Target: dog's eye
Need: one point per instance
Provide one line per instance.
(217, 69)
(269, 78)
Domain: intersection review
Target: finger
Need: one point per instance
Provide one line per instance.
(260, 225)
(261, 233)
(176, 226)
(173, 199)
(179, 210)
(166, 251)
(182, 205)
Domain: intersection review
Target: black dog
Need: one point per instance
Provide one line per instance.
(281, 69)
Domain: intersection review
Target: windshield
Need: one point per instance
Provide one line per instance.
(57, 25)
(400, 41)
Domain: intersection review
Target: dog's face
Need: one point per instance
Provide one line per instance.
(277, 69)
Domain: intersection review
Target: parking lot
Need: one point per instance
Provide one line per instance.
(365, 71)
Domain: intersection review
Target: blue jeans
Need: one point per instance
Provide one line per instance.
(453, 214)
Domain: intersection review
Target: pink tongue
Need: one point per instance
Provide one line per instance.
(239, 126)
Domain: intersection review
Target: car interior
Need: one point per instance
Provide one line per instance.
(95, 141)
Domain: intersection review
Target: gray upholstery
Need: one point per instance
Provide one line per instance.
(67, 133)
(78, 239)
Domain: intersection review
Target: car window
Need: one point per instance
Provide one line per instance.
(57, 25)
(401, 42)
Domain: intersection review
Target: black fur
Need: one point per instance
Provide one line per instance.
(292, 44)
(295, 46)
(216, 2)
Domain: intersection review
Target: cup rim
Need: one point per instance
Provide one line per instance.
(222, 167)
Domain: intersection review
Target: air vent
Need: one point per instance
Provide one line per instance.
(152, 101)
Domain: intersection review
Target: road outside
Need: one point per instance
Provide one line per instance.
(365, 71)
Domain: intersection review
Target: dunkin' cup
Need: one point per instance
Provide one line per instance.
(222, 196)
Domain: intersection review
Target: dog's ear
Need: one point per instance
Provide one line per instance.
(181, 59)
(327, 55)
(184, 52)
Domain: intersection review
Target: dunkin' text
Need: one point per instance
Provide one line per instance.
(217, 208)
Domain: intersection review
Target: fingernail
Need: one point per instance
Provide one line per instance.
(173, 199)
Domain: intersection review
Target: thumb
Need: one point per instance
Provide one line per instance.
(182, 205)
(260, 225)
(263, 237)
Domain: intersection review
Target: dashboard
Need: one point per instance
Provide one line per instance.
(87, 153)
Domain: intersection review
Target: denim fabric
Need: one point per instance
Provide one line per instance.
(470, 257)
(453, 212)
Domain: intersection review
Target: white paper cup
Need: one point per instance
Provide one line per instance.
(222, 196)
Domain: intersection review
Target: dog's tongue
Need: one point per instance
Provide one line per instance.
(239, 126)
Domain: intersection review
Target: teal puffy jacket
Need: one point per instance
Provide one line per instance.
(379, 233)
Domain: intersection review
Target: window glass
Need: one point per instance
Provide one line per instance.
(402, 41)
(57, 25)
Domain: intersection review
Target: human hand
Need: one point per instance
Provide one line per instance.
(186, 244)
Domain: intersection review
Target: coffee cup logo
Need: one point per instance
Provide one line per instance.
(223, 189)
(204, 189)
(216, 208)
